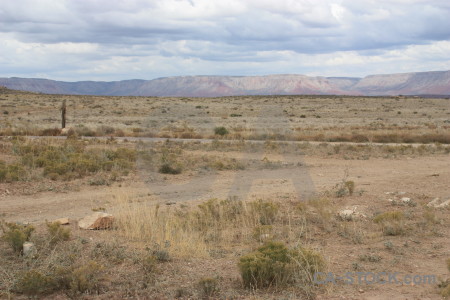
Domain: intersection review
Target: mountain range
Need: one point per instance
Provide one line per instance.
(419, 83)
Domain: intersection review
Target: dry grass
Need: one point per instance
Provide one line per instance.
(193, 231)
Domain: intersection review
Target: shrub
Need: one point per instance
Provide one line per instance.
(86, 278)
(388, 216)
(34, 282)
(275, 265)
(57, 233)
(350, 185)
(262, 232)
(69, 160)
(50, 132)
(11, 172)
(220, 131)
(266, 210)
(168, 169)
(15, 235)
(391, 222)
(207, 286)
(448, 264)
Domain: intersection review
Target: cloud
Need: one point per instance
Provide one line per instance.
(116, 39)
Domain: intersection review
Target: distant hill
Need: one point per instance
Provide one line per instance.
(421, 83)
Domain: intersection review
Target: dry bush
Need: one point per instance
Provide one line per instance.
(207, 287)
(391, 222)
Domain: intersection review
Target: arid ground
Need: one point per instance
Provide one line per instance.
(347, 180)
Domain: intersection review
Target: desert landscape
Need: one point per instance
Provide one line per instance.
(239, 197)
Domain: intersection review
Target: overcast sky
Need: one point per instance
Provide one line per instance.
(107, 40)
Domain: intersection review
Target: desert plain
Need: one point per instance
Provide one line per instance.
(197, 185)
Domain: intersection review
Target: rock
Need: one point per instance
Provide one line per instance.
(29, 249)
(438, 203)
(98, 220)
(67, 130)
(444, 204)
(264, 237)
(406, 200)
(62, 221)
(434, 202)
(346, 214)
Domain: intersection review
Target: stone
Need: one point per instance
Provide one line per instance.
(29, 249)
(98, 220)
(346, 214)
(62, 221)
(438, 203)
(66, 130)
(264, 237)
(444, 204)
(406, 200)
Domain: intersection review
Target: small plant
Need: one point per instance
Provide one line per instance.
(389, 245)
(86, 278)
(34, 283)
(207, 286)
(389, 216)
(350, 185)
(370, 257)
(262, 233)
(220, 131)
(266, 211)
(448, 264)
(168, 169)
(57, 233)
(346, 187)
(275, 265)
(391, 222)
(149, 264)
(15, 235)
(11, 172)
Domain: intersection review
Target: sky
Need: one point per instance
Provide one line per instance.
(108, 40)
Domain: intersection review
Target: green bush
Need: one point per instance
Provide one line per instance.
(86, 278)
(207, 286)
(11, 172)
(168, 169)
(15, 235)
(57, 233)
(391, 223)
(220, 131)
(33, 282)
(275, 265)
(69, 160)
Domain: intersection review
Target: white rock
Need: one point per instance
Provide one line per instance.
(264, 237)
(406, 200)
(98, 220)
(62, 221)
(29, 250)
(346, 214)
(444, 204)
